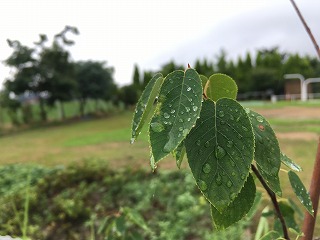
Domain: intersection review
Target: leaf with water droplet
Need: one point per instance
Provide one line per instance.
(238, 209)
(267, 152)
(288, 213)
(209, 141)
(171, 108)
(145, 105)
(289, 163)
(179, 153)
(204, 80)
(300, 191)
(220, 86)
(156, 127)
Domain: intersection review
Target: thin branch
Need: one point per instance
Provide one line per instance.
(274, 201)
(307, 28)
(310, 221)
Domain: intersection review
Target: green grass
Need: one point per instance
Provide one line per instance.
(108, 139)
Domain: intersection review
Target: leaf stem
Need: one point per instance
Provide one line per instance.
(274, 201)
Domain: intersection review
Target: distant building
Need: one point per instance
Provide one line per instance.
(292, 89)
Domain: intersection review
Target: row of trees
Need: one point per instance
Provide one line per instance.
(48, 74)
(262, 73)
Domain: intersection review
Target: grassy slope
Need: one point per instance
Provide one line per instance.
(108, 140)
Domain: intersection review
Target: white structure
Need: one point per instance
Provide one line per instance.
(303, 84)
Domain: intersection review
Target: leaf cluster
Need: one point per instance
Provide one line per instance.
(223, 141)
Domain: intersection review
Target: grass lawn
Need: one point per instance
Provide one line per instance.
(108, 139)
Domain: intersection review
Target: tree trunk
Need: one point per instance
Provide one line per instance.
(43, 113)
(63, 114)
(82, 105)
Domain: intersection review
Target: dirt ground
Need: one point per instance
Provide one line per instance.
(295, 113)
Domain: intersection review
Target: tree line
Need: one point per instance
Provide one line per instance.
(47, 73)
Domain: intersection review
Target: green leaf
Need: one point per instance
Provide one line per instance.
(300, 191)
(136, 218)
(144, 105)
(180, 103)
(267, 151)
(289, 163)
(220, 150)
(288, 215)
(238, 208)
(272, 235)
(179, 153)
(220, 86)
(204, 80)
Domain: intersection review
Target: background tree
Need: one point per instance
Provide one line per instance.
(94, 81)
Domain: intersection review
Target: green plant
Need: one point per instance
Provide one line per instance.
(227, 146)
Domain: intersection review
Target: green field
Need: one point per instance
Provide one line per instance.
(107, 140)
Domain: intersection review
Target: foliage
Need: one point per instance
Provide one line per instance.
(90, 200)
(221, 139)
(94, 81)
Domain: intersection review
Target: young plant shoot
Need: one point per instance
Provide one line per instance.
(229, 148)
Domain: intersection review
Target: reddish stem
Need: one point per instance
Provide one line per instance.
(310, 221)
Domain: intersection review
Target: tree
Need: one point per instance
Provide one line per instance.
(94, 81)
(57, 69)
(136, 78)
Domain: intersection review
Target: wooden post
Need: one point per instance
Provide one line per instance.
(310, 221)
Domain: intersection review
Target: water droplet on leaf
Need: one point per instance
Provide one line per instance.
(207, 144)
(259, 119)
(188, 89)
(229, 184)
(198, 142)
(219, 179)
(202, 185)
(206, 168)
(220, 152)
(187, 109)
(221, 114)
(166, 115)
(157, 127)
(195, 108)
(230, 144)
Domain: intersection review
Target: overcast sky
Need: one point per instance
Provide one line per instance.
(152, 32)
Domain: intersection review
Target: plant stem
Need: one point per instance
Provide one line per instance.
(310, 221)
(274, 201)
(316, 46)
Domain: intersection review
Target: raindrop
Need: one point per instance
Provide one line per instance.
(231, 118)
(187, 109)
(190, 99)
(137, 111)
(157, 127)
(206, 168)
(173, 111)
(247, 110)
(230, 144)
(221, 114)
(170, 105)
(239, 136)
(198, 142)
(243, 176)
(219, 179)
(259, 119)
(180, 129)
(169, 123)
(222, 122)
(188, 119)
(220, 152)
(195, 108)
(185, 132)
(233, 173)
(188, 89)
(165, 123)
(166, 115)
(207, 144)
(182, 112)
(233, 196)
(180, 120)
(132, 140)
(171, 81)
(229, 184)
(233, 164)
(179, 135)
(245, 129)
(202, 185)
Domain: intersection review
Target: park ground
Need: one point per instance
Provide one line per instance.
(297, 126)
